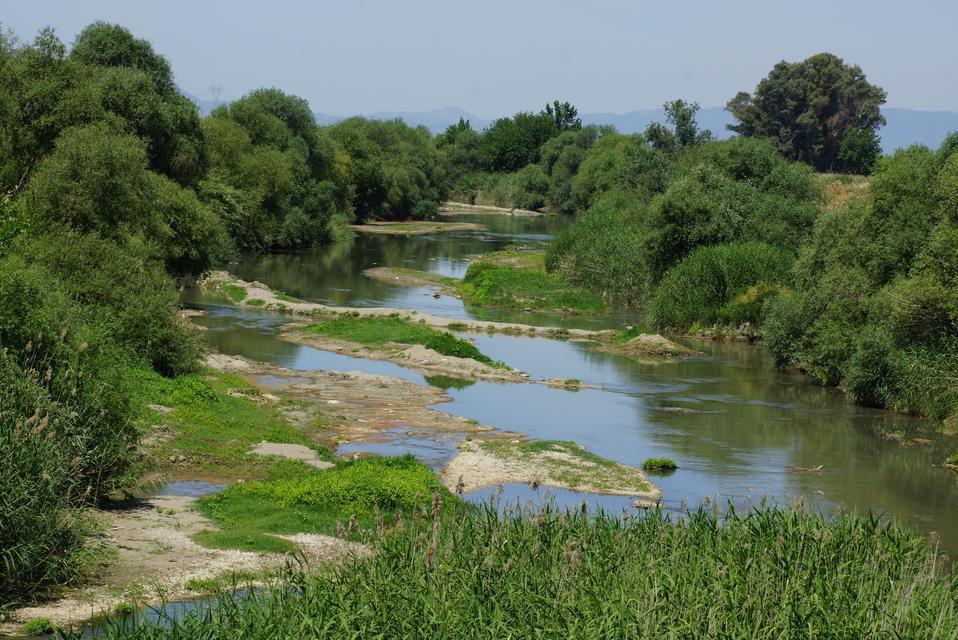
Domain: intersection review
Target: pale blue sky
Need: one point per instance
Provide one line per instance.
(494, 57)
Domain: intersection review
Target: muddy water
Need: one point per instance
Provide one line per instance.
(732, 421)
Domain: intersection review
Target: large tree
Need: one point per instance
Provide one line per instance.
(808, 108)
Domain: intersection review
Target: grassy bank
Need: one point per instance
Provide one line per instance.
(768, 574)
(378, 331)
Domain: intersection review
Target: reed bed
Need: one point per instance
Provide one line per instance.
(768, 573)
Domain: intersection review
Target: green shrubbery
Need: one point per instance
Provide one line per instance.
(66, 431)
(720, 284)
(876, 302)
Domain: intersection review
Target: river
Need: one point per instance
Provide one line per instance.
(733, 422)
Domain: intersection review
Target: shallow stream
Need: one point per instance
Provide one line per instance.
(733, 422)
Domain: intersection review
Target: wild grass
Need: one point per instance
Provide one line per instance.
(720, 283)
(768, 574)
(347, 499)
(516, 281)
(217, 418)
(378, 331)
(235, 292)
(659, 464)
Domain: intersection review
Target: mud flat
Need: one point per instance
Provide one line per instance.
(564, 465)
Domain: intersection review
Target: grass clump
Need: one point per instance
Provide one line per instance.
(234, 292)
(39, 626)
(659, 464)
(378, 331)
(317, 502)
(952, 459)
(767, 574)
(512, 280)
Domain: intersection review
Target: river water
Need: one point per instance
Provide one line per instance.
(731, 420)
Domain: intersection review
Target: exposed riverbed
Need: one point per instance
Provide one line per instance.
(739, 428)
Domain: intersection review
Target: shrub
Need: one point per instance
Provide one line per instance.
(66, 434)
(721, 282)
(659, 464)
(128, 290)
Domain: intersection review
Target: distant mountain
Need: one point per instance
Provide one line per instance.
(904, 126)
(205, 106)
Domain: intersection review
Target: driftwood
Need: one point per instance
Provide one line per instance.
(817, 469)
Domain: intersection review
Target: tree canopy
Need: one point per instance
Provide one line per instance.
(809, 108)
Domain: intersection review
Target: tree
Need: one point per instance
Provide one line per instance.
(859, 151)
(564, 115)
(511, 143)
(808, 107)
(685, 130)
(110, 45)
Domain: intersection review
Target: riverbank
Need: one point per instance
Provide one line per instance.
(414, 227)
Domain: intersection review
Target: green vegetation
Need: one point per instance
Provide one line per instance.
(235, 292)
(39, 626)
(381, 330)
(217, 418)
(659, 464)
(516, 280)
(771, 573)
(952, 459)
(349, 499)
(820, 111)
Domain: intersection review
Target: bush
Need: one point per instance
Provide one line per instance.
(659, 464)
(66, 431)
(720, 283)
(128, 290)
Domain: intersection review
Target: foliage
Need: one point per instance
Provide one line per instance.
(876, 307)
(127, 290)
(768, 573)
(395, 170)
(509, 144)
(859, 151)
(720, 283)
(685, 131)
(517, 288)
(66, 436)
(808, 109)
(356, 492)
(659, 464)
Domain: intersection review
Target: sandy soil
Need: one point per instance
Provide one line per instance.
(414, 357)
(156, 558)
(353, 404)
(291, 452)
(476, 466)
(461, 208)
(415, 227)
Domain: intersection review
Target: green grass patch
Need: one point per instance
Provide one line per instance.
(218, 417)
(516, 281)
(769, 573)
(39, 626)
(659, 464)
(234, 292)
(380, 330)
(256, 302)
(286, 298)
(318, 502)
(952, 459)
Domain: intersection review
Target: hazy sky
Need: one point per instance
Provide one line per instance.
(494, 57)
